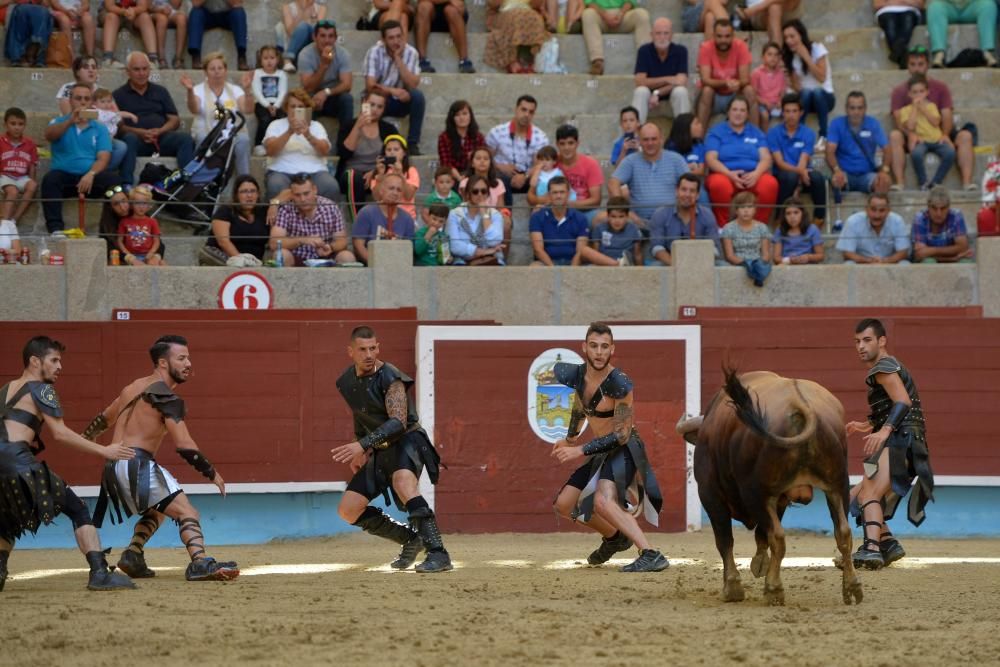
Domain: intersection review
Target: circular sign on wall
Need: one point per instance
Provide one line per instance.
(246, 290)
(550, 403)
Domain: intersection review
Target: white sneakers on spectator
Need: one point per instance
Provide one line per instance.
(289, 66)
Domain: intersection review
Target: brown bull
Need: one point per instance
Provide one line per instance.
(763, 442)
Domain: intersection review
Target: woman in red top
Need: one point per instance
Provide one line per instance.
(139, 235)
(461, 137)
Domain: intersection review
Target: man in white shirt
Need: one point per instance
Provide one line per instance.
(514, 145)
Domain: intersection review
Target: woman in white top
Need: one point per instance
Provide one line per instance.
(297, 144)
(295, 30)
(215, 89)
(808, 64)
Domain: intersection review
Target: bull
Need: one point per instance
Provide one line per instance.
(764, 442)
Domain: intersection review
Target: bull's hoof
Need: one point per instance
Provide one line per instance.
(759, 564)
(853, 592)
(775, 596)
(732, 591)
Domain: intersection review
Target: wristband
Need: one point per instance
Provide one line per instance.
(198, 461)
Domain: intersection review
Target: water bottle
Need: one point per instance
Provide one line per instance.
(444, 248)
(279, 257)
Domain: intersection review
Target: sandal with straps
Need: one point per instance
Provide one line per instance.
(869, 557)
(890, 547)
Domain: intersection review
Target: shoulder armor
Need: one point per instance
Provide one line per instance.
(617, 385)
(44, 395)
(389, 374)
(567, 374)
(166, 402)
(884, 365)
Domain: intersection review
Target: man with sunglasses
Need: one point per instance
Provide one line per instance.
(81, 149)
(325, 72)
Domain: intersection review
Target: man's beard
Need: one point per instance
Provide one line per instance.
(177, 376)
(590, 362)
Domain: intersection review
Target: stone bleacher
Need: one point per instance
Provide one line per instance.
(857, 55)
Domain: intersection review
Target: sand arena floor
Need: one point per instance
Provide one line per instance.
(512, 600)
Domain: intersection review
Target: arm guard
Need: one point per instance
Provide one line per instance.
(96, 427)
(379, 438)
(600, 445)
(896, 415)
(198, 461)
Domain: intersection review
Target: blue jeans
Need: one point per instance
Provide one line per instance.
(820, 102)
(855, 183)
(788, 181)
(234, 20)
(119, 149)
(27, 24)
(301, 37)
(58, 184)
(340, 107)
(414, 109)
(177, 144)
(758, 270)
(946, 154)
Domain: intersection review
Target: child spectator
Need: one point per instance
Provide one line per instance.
(561, 15)
(545, 170)
(921, 122)
(270, 86)
(395, 159)
(627, 143)
(444, 190)
(746, 242)
(110, 117)
(166, 13)
(619, 239)
(797, 240)
(139, 235)
(768, 79)
(18, 162)
(431, 246)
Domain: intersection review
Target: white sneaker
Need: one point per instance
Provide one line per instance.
(820, 146)
(259, 151)
(289, 67)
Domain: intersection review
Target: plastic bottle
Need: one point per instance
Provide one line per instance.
(279, 256)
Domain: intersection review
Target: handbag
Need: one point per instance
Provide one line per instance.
(59, 52)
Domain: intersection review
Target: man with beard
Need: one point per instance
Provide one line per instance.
(30, 493)
(514, 147)
(724, 68)
(145, 411)
(895, 449)
(388, 456)
(597, 492)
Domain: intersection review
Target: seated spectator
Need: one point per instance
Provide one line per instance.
(28, 28)
(563, 16)
(514, 146)
(747, 242)
(852, 150)
(308, 226)
(482, 164)
(921, 123)
(134, 14)
(270, 87)
(448, 16)
(808, 65)
(611, 16)
(898, 19)
(796, 240)
(685, 219)
(382, 219)
(295, 30)
(988, 218)
(875, 235)
(724, 68)
(559, 234)
(475, 229)
(116, 208)
(431, 246)
(18, 170)
(443, 191)
(396, 160)
(168, 13)
(738, 160)
(618, 240)
(768, 15)
(584, 173)
(85, 72)
(942, 13)
(939, 231)
(216, 90)
(359, 146)
(628, 142)
(963, 139)
(388, 10)
(516, 35)
(239, 229)
(702, 15)
(460, 138)
(687, 138)
(156, 130)
(81, 149)
(138, 237)
(650, 175)
(791, 145)
(325, 72)
(70, 15)
(392, 69)
(768, 79)
(545, 170)
(109, 116)
(661, 73)
(226, 14)
(297, 144)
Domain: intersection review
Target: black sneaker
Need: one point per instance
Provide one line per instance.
(426, 67)
(609, 547)
(868, 558)
(134, 565)
(466, 67)
(414, 149)
(436, 561)
(408, 554)
(649, 560)
(209, 569)
(107, 580)
(891, 550)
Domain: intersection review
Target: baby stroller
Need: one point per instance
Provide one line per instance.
(191, 193)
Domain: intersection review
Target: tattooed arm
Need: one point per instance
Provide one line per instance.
(397, 408)
(575, 419)
(622, 420)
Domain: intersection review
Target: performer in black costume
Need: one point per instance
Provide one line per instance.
(895, 447)
(145, 411)
(388, 456)
(596, 494)
(30, 493)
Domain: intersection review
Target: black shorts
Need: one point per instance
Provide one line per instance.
(375, 479)
(582, 475)
(439, 23)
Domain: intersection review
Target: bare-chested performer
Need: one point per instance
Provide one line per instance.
(145, 411)
(596, 494)
(30, 493)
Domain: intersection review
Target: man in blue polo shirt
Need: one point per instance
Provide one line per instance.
(81, 149)
(852, 147)
(559, 234)
(791, 145)
(651, 174)
(661, 73)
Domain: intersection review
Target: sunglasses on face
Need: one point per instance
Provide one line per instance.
(479, 191)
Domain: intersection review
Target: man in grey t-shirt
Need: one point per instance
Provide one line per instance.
(325, 72)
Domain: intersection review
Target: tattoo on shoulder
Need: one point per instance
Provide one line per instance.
(395, 401)
(622, 422)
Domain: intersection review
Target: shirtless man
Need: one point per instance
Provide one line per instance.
(145, 411)
(616, 457)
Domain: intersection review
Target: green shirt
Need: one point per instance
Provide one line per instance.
(451, 201)
(608, 5)
(425, 253)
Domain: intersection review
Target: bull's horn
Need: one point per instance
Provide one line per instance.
(686, 424)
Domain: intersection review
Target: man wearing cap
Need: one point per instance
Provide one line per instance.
(325, 72)
(392, 69)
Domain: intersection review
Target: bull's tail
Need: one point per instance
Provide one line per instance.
(749, 413)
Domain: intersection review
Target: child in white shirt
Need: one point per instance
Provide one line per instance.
(270, 86)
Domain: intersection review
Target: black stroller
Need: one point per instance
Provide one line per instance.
(191, 193)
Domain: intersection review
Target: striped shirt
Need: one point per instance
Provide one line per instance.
(651, 184)
(508, 148)
(326, 222)
(380, 66)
